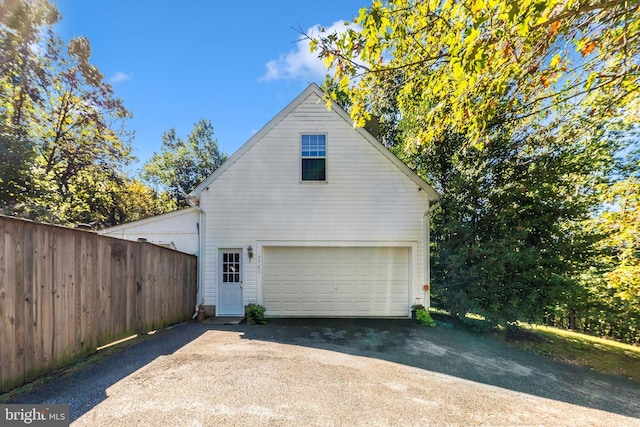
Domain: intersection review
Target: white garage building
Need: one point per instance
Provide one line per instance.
(313, 217)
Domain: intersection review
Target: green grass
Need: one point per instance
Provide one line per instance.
(602, 355)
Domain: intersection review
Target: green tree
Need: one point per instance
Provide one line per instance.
(183, 164)
(80, 143)
(510, 109)
(23, 27)
(25, 31)
(508, 240)
(101, 198)
(80, 122)
(613, 306)
(16, 155)
(63, 139)
(135, 200)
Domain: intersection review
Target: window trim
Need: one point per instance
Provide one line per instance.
(301, 157)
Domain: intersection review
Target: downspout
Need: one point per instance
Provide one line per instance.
(427, 253)
(199, 296)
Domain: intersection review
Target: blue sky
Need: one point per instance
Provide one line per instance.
(172, 63)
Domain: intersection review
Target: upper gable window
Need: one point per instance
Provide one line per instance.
(314, 157)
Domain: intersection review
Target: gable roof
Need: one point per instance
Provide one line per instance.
(314, 89)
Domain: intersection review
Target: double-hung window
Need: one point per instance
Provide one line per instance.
(314, 157)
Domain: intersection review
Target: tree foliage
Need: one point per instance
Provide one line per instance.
(508, 237)
(63, 134)
(613, 304)
(622, 228)
(517, 113)
(24, 26)
(16, 155)
(183, 164)
(22, 75)
(455, 62)
(79, 126)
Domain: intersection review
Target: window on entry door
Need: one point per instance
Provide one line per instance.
(314, 157)
(231, 267)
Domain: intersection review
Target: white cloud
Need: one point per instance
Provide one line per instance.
(119, 77)
(301, 62)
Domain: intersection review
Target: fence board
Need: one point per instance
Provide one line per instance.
(64, 292)
(29, 303)
(102, 293)
(69, 314)
(131, 309)
(45, 324)
(116, 309)
(5, 376)
(20, 302)
(59, 299)
(10, 345)
(88, 296)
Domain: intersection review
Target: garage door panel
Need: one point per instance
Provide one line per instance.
(289, 272)
(325, 294)
(344, 306)
(336, 281)
(343, 291)
(361, 289)
(325, 307)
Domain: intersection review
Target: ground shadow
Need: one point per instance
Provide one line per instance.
(444, 349)
(453, 351)
(84, 388)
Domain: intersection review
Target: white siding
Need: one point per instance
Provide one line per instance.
(260, 198)
(177, 230)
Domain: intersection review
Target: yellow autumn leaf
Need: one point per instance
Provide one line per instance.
(590, 80)
(473, 35)
(458, 71)
(557, 59)
(478, 5)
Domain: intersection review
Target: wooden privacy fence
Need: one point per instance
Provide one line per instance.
(65, 292)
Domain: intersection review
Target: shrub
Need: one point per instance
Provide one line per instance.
(424, 317)
(255, 314)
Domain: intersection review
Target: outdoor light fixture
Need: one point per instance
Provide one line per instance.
(250, 252)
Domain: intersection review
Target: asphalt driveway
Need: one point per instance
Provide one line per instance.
(335, 372)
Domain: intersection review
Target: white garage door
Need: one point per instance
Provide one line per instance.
(336, 281)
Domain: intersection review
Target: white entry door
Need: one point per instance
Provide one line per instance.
(230, 283)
